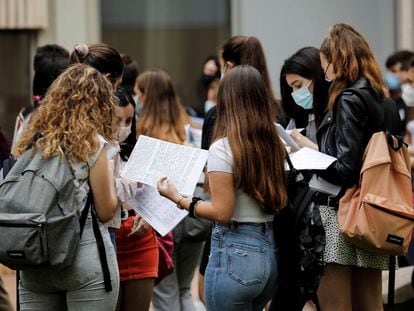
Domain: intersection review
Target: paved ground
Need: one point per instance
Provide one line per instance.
(404, 294)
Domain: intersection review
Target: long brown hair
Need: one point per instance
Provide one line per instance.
(247, 50)
(78, 106)
(352, 58)
(162, 115)
(244, 117)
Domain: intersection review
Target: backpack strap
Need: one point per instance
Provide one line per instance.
(394, 141)
(101, 251)
(98, 237)
(85, 211)
(7, 165)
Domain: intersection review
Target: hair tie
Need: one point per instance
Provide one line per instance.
(81, 50)
(36, 98)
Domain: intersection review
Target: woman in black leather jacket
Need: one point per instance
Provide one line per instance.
(356, 109)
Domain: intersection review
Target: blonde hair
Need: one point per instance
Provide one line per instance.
(78, 106)
(162, 115)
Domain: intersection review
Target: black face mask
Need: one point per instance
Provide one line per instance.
(206, 79)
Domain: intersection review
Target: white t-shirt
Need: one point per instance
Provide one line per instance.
(220, 159)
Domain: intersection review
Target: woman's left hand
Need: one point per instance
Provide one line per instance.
(139, 227)
(167, 189)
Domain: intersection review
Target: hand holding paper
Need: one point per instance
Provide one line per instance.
(153, 158)
(284, 135)
(159, 212)
(302, 140)
(167, 189)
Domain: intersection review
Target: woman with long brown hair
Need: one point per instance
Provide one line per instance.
(162, 115)
(352, 276)
(247, 183)
(239, 50)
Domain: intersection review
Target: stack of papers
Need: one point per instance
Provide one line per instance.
(152, 159)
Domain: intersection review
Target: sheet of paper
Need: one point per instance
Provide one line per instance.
(152, 159)
(284, 135)
(161, 213)
(322, 185)
(298, 129)
(309, 159)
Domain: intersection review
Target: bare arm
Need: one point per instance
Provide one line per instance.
(102, 184)
(223, 196)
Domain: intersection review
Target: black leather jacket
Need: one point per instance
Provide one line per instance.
(346, 129)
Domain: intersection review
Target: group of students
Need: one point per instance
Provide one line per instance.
(86, 113)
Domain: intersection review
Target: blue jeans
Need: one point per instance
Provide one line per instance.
(242, 269)
(80, 286)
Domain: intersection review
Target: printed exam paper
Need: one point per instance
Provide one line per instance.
(152, 159)
(161, 213)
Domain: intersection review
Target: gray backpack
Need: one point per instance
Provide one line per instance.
(39, 219)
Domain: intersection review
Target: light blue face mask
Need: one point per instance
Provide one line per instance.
(208, 105)
(303, 97)
(393, 81)
(138, 105)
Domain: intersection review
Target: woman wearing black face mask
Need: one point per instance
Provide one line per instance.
(304, 93)
(211, 72)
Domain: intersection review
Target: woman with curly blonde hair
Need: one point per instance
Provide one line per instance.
(76, 119)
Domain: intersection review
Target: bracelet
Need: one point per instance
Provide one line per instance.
(195, 208)
(192, 206)
(179, 202)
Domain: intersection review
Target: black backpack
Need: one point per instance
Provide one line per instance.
(300, 238)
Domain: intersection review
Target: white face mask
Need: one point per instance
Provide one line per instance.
(123, 133)
(408, 94)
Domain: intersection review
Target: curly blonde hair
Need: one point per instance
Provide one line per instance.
(78, 106)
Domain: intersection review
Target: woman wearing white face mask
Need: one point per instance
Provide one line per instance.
(137, 249)
(304, 92)
(124, 189)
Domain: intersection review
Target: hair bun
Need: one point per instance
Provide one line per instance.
(81, 50)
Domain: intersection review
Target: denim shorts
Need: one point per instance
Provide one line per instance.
(242, 269)
(77, 287)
